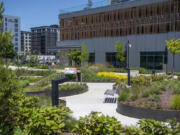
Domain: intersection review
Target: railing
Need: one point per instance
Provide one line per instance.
(84, 7)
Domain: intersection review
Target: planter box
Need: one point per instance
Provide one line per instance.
(137, 112)
(62, 93)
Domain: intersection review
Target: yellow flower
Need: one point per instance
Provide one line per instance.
(112, 75)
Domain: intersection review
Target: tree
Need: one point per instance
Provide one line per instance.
(33, 61)
(78, 56)
(75, 56)
(174, 47)
(120, 51)
(6, 45)
(84, 53)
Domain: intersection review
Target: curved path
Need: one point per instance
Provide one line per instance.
(92, 100)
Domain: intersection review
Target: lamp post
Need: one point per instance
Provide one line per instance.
(128, 68)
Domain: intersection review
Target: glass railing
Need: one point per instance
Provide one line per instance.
(94, 5)
(84, 7)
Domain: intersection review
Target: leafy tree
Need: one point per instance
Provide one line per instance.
(6, 45)
(174, 47)
(33, 61)
(78, 56)
(84, 53)
(120, 51)
(75, 56)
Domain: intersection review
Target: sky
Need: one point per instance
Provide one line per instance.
(35, 13)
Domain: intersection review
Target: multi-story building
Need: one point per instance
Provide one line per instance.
(44, 38)
(25, 42)
(145, 24)
(12, 23)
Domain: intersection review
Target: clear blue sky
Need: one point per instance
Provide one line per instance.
(39, 12)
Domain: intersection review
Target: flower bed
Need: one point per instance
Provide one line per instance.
(154, 92)
(112, 75)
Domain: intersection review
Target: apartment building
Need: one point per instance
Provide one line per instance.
(13, 24)
(25, 42)
(44, 38)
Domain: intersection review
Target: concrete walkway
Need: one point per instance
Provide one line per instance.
(35, 69)
(92, 100)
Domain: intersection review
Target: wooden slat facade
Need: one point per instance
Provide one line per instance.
(155, 18)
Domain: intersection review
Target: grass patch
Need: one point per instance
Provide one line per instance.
(73, 86)
(42, 85)
(23, 72)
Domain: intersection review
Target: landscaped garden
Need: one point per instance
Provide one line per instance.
(29, 115)
(155, 92)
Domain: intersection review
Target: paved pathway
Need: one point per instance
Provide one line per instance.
(35, 69)
(92, 100)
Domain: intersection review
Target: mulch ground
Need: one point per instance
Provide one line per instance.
(166, 98)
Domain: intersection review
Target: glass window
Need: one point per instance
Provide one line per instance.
(16, 30)
(91, 58)
(16, 20)
(16, 25)
(153, 60)
(111, 59)
(143, 61)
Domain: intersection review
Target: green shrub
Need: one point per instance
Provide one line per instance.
(33, 61)
(23, 83)
(133, 131)
(45, 101)
(71, 77)
(23, 72)
(98, 124)
(90, 75)
(141, 80)
(47, 121)
(124, 94)
(152, 127)
(135, 90)
(34, 79)
(176, 87)
(145, 92)
(155, 90)
(175, 103)
(154, 98)
(174, 126)
(120, 70)
(158, 78)
(141, 70)
(73, 86)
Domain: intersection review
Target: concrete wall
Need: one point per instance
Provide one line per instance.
(148, 42)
